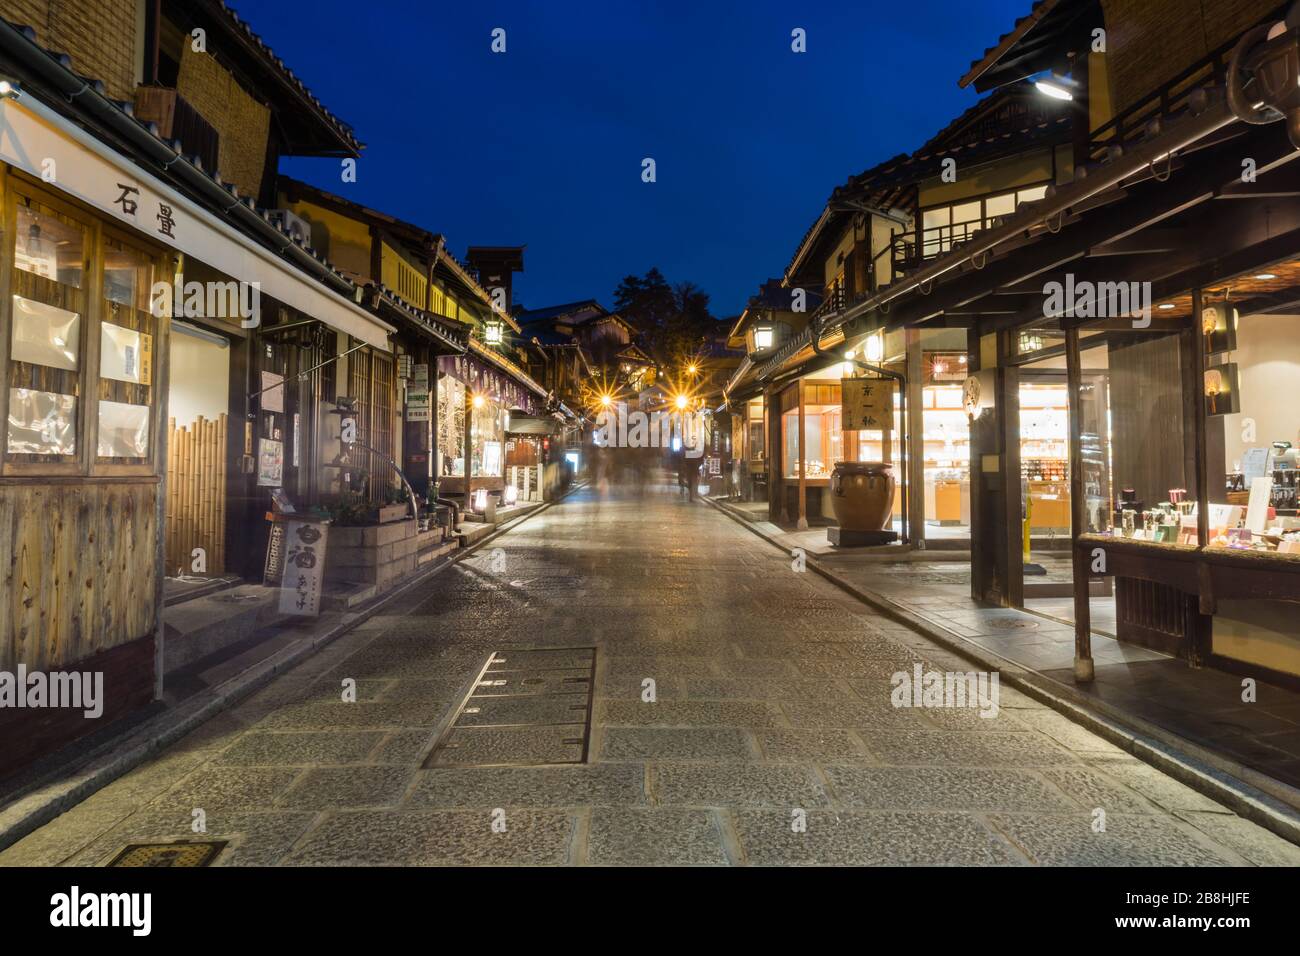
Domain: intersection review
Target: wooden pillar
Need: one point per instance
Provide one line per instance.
(1195, 432)
(1012, 539)
(775, 457)
(1084, 670)
(979, 528)
(915, 449)
(802, 523)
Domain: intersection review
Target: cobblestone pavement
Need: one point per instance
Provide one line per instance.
(773, 710)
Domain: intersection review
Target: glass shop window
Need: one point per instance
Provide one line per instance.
(1135, 481)
(128, 334)
(487, 437)
(48, 306)
(451, 427)
(757, 437)
(823, 440)
(1251, 413)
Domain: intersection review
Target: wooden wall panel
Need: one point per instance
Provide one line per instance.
(79, 565)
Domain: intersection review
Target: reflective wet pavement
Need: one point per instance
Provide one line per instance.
(771, 737)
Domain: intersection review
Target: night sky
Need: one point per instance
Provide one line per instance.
(542, 146)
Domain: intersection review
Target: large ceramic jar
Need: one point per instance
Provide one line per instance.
(862, 494)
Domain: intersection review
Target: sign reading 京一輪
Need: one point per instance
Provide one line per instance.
(867, 404)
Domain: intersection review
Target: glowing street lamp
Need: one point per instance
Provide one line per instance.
(682, 401)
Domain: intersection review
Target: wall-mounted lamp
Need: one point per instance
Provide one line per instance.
(492, 333)
(10, 90)
(1057, 87)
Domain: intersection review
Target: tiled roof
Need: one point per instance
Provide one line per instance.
(1023, 25)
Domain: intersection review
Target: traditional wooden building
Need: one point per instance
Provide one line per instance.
(154, 400)
(1153, 289)
(878, 228)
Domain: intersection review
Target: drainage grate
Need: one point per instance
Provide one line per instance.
(178, 853)
(526, 708)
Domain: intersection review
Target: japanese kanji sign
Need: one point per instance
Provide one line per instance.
(867, 403)
(304, 568)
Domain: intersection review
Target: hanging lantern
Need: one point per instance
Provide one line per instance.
(492, 333)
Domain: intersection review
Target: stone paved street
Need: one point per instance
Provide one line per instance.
(772, 706)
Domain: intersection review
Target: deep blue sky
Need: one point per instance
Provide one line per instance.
(543, 145)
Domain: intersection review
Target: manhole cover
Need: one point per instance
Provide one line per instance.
(1010, 624)
(527, 707)
(180, 853)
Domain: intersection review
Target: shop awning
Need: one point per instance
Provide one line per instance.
(32, 136)
(507, 366)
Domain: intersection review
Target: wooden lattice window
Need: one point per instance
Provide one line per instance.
(372, 382)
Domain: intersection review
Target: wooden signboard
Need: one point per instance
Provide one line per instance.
(867, 404)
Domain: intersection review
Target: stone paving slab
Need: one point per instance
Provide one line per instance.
(435, 837)
(944, 788)
(686, 713)
(636, 743)
(1071, 840)
(715, 785)
(327, 788)
(300, 749)
(655, 837)
(859, 838)
(586, 785)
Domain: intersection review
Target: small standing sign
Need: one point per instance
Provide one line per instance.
(304, 567)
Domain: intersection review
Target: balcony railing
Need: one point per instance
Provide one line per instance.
(1170, 97)
(911, 249)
